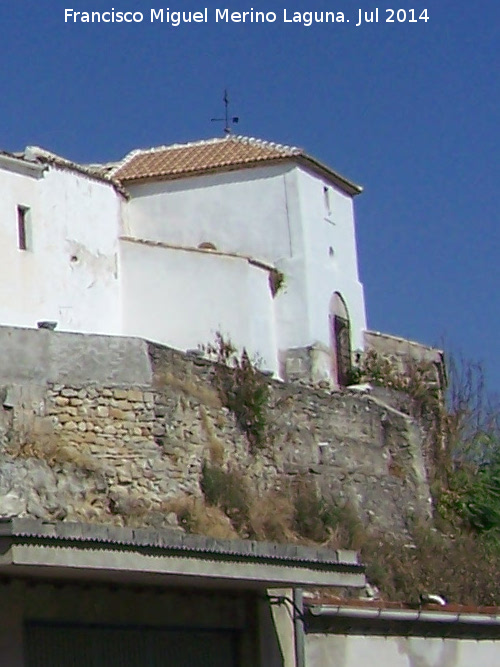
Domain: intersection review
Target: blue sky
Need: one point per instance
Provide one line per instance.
(409, 110)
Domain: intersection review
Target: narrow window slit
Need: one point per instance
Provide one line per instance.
(22, 227)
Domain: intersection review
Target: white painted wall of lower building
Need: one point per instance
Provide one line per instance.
(353, 651)
(181, 298)
(68, 272)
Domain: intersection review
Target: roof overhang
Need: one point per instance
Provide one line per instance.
(61, 551)
(305, 161)
(323, 170)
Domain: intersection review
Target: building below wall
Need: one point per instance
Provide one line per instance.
(343, 633)
(97, 596)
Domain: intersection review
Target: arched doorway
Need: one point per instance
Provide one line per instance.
(340, 336)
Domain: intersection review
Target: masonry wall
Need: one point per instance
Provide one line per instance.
(116, 449)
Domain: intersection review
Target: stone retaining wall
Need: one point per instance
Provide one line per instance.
(119, 452)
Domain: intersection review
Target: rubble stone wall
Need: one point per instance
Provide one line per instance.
(119, 451)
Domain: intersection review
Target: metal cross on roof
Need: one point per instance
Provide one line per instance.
(227, 120)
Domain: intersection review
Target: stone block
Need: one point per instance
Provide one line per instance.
(69, 393)
(120, 393)
(135, 396)
(64, 417)
(70, 426)
(61, 400)
(122, 405)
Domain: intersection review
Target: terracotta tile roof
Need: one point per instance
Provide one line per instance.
(228, 153)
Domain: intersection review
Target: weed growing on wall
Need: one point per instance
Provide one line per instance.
(421, 381)
(277, 281)
(242, 388)
(418, 379)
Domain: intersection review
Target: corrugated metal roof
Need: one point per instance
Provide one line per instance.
(172, 540)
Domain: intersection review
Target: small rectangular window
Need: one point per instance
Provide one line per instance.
(22, 227)
(326, 196)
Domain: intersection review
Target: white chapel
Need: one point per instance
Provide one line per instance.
(235, 235)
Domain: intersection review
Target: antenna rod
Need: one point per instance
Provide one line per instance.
(227, 128)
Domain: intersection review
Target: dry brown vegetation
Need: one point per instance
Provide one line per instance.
(53, 449)
(463, 569)
(195, 516)
(203, 393)
(215, 446)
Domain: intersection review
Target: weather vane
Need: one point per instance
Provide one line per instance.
(227, 120)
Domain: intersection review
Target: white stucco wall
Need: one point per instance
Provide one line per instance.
(275, 213)
(241, 211)
(331, 256)
(68, 273)
(181, 298)
(351, 651)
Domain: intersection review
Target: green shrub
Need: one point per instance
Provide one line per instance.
(242, 388)
(227, 490)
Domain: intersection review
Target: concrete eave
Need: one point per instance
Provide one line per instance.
(20, 166)
(32, 549)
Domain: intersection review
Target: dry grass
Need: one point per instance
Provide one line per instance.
(197, 517)
(215, 445)
(464, 569)
(203, 393)
(54, 450)
(271, 518)
(296, 514)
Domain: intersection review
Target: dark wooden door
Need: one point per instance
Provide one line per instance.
(342, 338)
